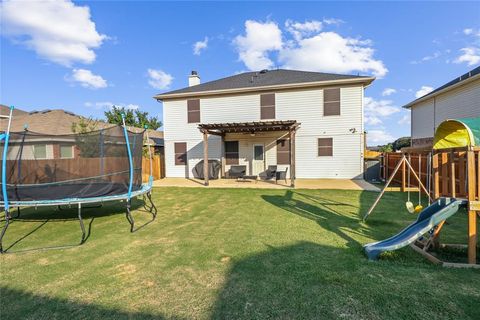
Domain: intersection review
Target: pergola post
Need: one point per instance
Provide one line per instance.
(222, 157)
(205, 157)
(292, 158)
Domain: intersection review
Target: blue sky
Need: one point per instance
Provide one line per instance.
(85, 56)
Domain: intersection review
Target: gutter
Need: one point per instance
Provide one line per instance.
(366, 80)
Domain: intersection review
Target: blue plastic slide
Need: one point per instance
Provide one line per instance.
(440, 210)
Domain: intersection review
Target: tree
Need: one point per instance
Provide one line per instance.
(386, 148)
(401, 143)
(133, 118)
(87, 143)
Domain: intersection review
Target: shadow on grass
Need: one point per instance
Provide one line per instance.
(57, 214)
(24, 305)
(328, 213)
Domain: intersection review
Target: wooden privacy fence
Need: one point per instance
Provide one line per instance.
(115, 169)
(417, 160)
(448, 171)
(158, 167)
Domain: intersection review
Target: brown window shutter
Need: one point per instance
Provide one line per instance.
(331, 102)
(231, 152)
(267, 106)
(193, 111)
(325, 147)
(180, 153)
(283, 151)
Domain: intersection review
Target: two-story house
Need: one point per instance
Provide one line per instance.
(309, 123)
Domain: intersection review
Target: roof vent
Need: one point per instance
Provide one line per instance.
(264, 71)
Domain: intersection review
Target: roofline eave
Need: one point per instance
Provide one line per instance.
(365, 80)
(429, 96)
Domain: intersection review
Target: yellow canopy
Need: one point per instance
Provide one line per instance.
(456, 133)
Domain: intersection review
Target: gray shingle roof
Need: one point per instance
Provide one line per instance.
(455, 81)
(263, 78)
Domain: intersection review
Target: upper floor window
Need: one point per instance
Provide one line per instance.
(267, 106)
(331, 102)
(193, 111)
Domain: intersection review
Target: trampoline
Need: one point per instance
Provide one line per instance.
(73, 170)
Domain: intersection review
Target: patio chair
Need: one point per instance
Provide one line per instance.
(279, 175)
(237, 172)
(270, 173)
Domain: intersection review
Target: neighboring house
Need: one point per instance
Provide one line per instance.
(254, 118)
(57, 123)
(459, 98)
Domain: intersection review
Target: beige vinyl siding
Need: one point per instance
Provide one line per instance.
(423, 120)
(461, 102)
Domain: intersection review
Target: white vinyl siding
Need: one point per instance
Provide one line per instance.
(303, 105)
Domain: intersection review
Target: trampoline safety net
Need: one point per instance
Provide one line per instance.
(84, 165)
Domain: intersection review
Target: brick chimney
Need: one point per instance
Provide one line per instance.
(193, 79)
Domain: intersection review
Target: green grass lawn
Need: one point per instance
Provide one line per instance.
(231, 254)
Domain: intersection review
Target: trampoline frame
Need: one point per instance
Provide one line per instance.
(145, 190)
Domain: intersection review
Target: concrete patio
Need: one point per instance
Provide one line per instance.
(340, 184)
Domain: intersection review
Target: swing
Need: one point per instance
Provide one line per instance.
(409, 204)
(419, 207)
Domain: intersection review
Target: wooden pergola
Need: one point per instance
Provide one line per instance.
(221, 129)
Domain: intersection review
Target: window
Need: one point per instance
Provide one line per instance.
(66, 152)
(258, 152)
(193, 110)
(180, 153)
(331, 102)
(325, 147)
(283, 151)
(40, 151)
(267, 106)
(231, 152)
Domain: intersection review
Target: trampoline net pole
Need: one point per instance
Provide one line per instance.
(130, 162)
(150, 177)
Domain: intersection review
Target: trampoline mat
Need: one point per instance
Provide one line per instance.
(66, 191)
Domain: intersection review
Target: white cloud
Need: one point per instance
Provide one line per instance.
(109, 105)
(471, 31)
(423, 91)
(259, 39)
(199, 46)
(378, 137)
(433, 56)
(330, 52)
(379, 108)
(372, 120)
(388, 91)
(87, 79)
(471, 55)
(307, 48)
(300, 30)
(159, 79)
(405, 120)
(58, 30)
